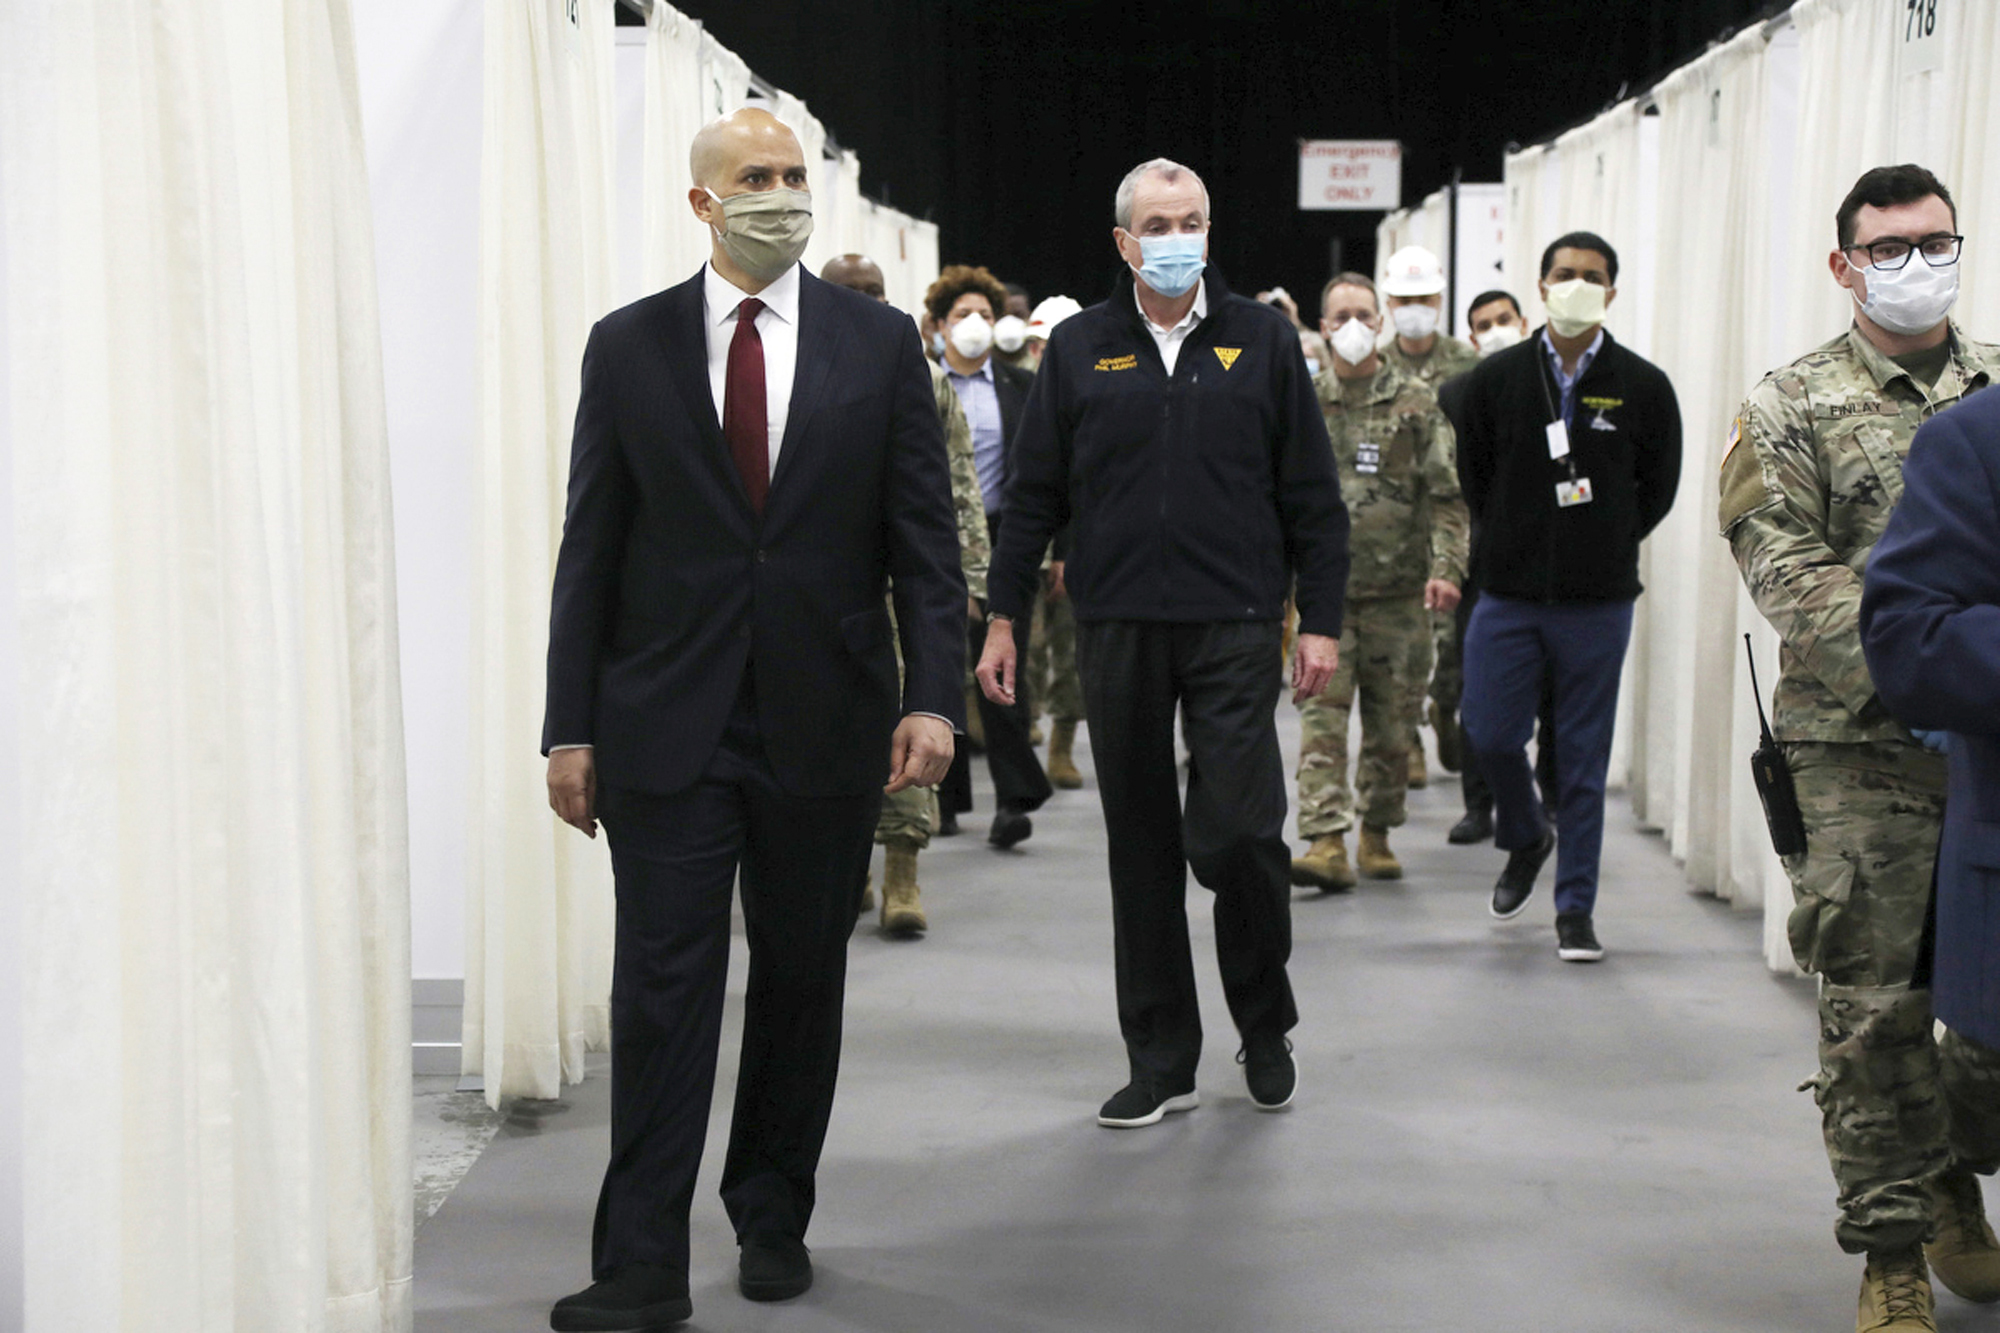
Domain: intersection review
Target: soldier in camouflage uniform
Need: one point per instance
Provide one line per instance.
(1052, 676)
(1813, 470)
(1414, 290)
(1408, 546)
(908, 817)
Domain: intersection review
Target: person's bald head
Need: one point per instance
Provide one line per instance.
(856, 273)
(750, 149)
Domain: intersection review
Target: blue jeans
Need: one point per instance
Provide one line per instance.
(1508, 646)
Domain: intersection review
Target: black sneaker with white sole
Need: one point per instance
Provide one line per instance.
(1576, 942)
(1270, 1071)
(1144, 1102)
(1517, 882)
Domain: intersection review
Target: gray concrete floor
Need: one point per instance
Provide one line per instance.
(1485, 1138)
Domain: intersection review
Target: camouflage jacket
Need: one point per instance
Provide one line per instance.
(975, 546)
(1448, 357)
(1399, 479)
(1814, 468)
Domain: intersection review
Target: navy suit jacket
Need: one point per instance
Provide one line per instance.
(668, 586)
(1930, 624)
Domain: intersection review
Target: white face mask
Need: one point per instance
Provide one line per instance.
(1912, 299)
(1574, 306)
(1009, 332)
(1498, 338)
(972, 337)
(1415, 322)
(1353, 342)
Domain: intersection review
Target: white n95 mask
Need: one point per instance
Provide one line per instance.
(1353, 342)
(1498, 338)
(1009, 333)
(1415, 322)
(972, 336)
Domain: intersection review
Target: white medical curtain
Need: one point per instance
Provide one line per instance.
(676, 244)
(539, 907)
(215, 879)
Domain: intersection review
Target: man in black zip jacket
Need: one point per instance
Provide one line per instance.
(1568, 455)
(1175, 431)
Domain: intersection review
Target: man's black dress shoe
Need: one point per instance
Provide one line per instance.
(947, 826)
(773, 1267)
(1517, 881)
(1475, 827)
(1009, 827)
(636, 1297)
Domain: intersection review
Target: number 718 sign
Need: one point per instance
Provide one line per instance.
(1920, 35)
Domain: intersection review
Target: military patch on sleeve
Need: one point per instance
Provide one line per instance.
(1227, 355)
(1735, 434)
(1742, 486)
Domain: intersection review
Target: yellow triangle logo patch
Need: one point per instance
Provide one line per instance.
(1227, 355)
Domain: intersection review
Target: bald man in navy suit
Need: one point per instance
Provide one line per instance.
(757, 459)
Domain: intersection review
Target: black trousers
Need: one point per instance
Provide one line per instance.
(1019, 781)
(675, 860)
(1224, 676)
(1471, 781)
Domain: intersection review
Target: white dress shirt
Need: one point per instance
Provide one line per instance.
(1170, 340)
(777, 326)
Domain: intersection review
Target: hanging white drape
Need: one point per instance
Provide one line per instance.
(725, 79)
(1531, 180)
(214, 866)
(675, 243)
(539, 907)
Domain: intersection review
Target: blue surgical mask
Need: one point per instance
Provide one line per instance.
(1172, 265)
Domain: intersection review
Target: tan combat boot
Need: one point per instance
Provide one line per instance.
(1420, 772)
(1373, 855)
(1896, 1294)
(1062, 768)
(1325, 865)
(901, 913)
(1965, 1256)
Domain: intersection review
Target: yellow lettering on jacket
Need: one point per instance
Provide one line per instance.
(1126, 362)
(1227, 355)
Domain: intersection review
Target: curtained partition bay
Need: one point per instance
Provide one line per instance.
(214, 875)
(1719, 189)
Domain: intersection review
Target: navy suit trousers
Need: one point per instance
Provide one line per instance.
(1509, 646)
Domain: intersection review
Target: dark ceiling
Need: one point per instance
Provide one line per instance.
(1010, 124)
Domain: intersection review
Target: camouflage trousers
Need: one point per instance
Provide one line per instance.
(1422, 656)
(910, 815)
(1376, 659)
(1052, 661)
(1884, 1086)
(1448, 676)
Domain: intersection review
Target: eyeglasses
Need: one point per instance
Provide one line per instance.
(1893, 252)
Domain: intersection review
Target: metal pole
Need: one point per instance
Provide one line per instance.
(1451, 270)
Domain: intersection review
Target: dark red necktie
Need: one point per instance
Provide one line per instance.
(745, 422)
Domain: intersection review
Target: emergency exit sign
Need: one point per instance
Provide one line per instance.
(1357, 174)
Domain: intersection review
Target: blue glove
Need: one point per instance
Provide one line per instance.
(1934, 740)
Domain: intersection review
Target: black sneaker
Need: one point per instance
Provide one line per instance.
(1475, 827)
(1517, 881)
(771, 1266)
(1143, 1102)
(947, 826)
(1010, 827)
(1270, 1071)
(636, 1296)
(1576, 942)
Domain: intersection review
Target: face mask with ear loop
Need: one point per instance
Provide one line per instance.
(1353, 342)
(1911, 299)
(764, 231)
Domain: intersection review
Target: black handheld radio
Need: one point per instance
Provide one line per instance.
(1773, 777)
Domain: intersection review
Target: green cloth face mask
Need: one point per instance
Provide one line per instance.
(764, 231)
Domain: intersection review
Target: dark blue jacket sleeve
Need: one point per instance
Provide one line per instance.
(1037, 499)
(1930, 603)
(926, 578)
(589, 561)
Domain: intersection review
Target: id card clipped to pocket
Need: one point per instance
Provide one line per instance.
(1575, 491)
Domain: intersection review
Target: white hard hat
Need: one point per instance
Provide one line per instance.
(1413, 271)
(1051, 312)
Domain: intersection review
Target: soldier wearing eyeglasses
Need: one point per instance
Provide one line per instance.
(1813, 470)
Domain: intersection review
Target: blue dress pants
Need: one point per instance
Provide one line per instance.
(1509, 644)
